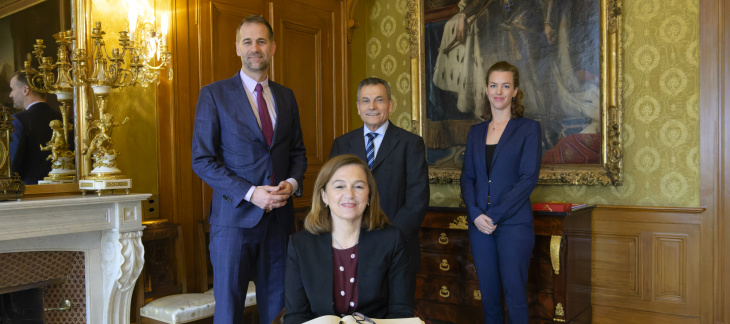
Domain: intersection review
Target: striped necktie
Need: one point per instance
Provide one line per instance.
(370, 149)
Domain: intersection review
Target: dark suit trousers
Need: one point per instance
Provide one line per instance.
(240, 255)
(502, 260)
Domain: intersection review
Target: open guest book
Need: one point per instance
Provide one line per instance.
(349, 319)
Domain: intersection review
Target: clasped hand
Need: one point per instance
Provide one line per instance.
(485, 224)
(271, 197)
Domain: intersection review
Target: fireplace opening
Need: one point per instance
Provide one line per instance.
(22, 307)
(23, 304)
(59, 281)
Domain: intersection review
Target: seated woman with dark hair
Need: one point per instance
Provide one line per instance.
(349, 259)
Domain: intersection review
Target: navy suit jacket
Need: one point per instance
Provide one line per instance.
(401, 174)
(230, 153)
(503, 194)
(383, 290)
(31, 129)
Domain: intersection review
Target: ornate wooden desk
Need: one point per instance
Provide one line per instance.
(559, 286)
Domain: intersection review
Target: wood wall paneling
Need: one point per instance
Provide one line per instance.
(308, 69)
(714, 50)
(612, 315)
(648, 260)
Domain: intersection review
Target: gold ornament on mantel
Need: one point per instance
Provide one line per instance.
(11, 187)
(44, 80)
(141, 55)
(133, 62)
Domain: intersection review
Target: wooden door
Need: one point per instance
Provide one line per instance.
(309, 59)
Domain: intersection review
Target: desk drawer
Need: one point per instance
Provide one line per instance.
(444, 240)
(440, 289)
(448, 265)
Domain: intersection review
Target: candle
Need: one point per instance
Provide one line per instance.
(163, 28)
(132, 21)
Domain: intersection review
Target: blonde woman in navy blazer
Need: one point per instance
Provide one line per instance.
(501, 167)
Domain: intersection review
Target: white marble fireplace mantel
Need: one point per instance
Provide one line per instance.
(108, 229)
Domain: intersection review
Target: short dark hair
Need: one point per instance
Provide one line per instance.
(255, 19)
(516, 108)
(22, 77)
(319, 218)
(373, 81)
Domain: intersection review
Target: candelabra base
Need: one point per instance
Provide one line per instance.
(104, 185)
(46, 181)
(63, 172)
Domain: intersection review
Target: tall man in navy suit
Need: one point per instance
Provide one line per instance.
(397, 159)
(30, 130)
(247, 145)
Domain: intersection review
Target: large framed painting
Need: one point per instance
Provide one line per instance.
(569, 57)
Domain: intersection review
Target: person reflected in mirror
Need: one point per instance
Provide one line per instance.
(30, 131)
(500, 170)
(349, 258)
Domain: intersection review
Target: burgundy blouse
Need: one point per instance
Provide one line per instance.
(345, 280)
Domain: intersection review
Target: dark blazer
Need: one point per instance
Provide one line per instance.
(31, 129)
(381, 276)
(230, 153)
(401, 174)
(504, 194)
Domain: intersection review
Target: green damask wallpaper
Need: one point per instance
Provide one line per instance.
(388, 55)
(660, 101)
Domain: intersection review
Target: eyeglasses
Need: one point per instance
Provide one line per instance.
(362, 319)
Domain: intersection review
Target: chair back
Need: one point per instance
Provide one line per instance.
(164, 271)
(204, 267)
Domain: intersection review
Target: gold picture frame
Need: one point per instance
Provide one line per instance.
(608, 171)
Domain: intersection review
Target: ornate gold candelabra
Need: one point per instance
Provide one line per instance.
(44, 80)
(138, 60)
(129, 64)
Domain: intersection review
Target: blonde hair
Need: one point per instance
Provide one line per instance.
(319, 218)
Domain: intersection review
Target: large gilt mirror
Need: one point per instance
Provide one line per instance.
(21, 24)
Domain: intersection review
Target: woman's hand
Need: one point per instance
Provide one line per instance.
(484, 224)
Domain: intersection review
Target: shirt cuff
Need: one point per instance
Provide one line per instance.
(249, 193)
(294, 185)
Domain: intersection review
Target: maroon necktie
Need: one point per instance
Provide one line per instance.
(266, 127)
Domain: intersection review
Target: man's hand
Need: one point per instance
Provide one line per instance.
(284, 188)
(270, 197)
